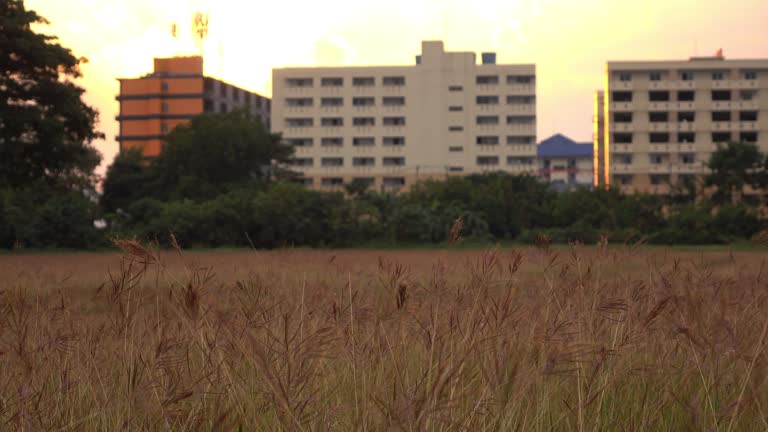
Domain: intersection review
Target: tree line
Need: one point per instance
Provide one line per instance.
(221, 180)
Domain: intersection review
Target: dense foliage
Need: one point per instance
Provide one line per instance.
(220, 181)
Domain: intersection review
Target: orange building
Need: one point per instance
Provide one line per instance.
(152, 105)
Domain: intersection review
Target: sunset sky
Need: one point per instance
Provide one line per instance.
(569, 40)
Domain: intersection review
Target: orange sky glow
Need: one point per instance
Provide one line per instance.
(569, 40)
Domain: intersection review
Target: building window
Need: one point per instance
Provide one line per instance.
(717, 76)
(621, 96)
(517, 160)
(455, 88)
(164, 127)
(223, 89)
(487, 120)
(454, 149)
(332, 82)
(393, 101)
(659, 116)
(332, 181)
(520, 100)
(688, 158)
(622, 138)
(487, 140)
(332, 161)
(299, 122)
(164, 87)
(298, 82)
(520, 120)
(236, 94)
(686, 116)
(332, 101)
(223, 107)
(520, 140)
(164, 107)
(623, 179)
(364, 121)
(394, 141)
(625, 76)
(750, 137)
(487, 100)
(622, 117)
(721, 116)
(299, 142)
(393, 161)
(394, 121)
(748, 116)
(247, 98)
(487, 80)
(747, 95)
(302, 162)
(393, 81)
(363, 101)
(455, 169)
(363, 82)
(305, 181)
(658, 96)
(686, 137)
(624, 159)
(363, 161)
(659, 137)
(686, 76)
(487, 160)
(363, 141)
(456, 128)
(455, 108)
(686, 96)
(658, 179)
(721, 137)
(298, 102)
(655, 76)
(519, 79)
(332, 142)
(393, 181)
(656, 159)
(750, 75)
(332, 121)
(721, 95)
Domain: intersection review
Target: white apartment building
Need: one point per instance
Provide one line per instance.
(394, 125)
(663, 119)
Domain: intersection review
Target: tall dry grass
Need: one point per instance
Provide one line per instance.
(586, 339)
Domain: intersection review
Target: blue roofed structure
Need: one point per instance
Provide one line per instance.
(565, 163)
(560, 146)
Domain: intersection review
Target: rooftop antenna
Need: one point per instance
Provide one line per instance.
(200, 29)
(175, 36)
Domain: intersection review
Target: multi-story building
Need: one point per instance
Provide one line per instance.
(175, 92)
(393, 125)
(663, 119)
(566, 164)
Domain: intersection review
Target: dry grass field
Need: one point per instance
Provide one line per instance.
(537, 339)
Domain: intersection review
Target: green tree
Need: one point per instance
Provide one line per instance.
(214, 151)
(46, 129)
(733, 167)
(128, 179)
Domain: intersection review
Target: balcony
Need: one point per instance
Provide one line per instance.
(660, 106)
(621, 106)
(746, 105)
(745, 84)
(621, 148)
(746, 126)
(659, 127)
(521, 89)
(659, 148)
(622, 127)
(722, 105)
(622, 168)
(620, 85)
(529, 109)
(660, 85)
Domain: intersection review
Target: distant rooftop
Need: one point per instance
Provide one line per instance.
(560, 146)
